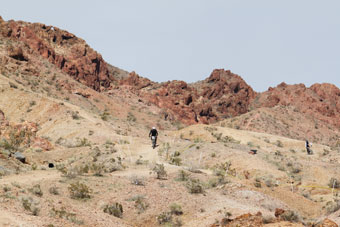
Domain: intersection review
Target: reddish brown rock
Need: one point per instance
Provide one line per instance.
(61, 48)
(278, 212)
(222, 95)
(328, 223)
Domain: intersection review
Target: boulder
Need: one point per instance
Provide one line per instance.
(19, 156)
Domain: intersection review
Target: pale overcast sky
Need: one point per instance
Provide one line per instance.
(264, 41)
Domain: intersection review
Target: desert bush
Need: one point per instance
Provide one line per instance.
(294, 167)
(71, 172)
(194, 186)
(279, 143)
(62, 213)
(176, 209)
(97, 169)
(141, 204)
(116, 210)
(79, 191)
(221, 169)
(220, 180)
(140, 161)
(36, 190)
(84, 142)
(7, 188)
(290, 216)
(176, 161)
(269, 182)
(131, 118)
(105, 115)
(218, 136)
(182, 175)
(332, 206)
(160, 171)
(164, 218)
(29, 205)
(54, 190)
(75, 115)
(258, 184)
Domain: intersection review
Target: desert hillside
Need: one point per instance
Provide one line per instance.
(75, 151)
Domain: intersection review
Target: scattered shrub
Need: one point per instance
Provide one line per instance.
(176, 161)
(194, 186)
(290, 216)
(141, 204)
(332, 206)
(131, 118)
(105, 115)
(79, 191)
(116, 210)
(36, 190)
(54, 190)
(62, 213)
(29, 205)
(279, 143)
(165, 217)
(160, 171)
(176, 209)
(183, 175)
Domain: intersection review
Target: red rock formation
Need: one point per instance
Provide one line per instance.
(223, 94)
(63, 49)
(320, 101)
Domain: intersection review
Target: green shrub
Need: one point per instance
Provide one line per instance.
(29, 205)
(36, 190)
(116, 210)
(54, 190)
(160, 171)
(290, 216)
(165, 217)
(79, 191)
(176, 209)
(194, 186)
(141, 204)
(183, 175)
(62, 213)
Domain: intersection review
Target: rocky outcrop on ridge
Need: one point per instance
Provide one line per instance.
(61, 48)
(223, 94)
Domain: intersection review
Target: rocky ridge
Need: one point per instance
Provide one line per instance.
(223, 95)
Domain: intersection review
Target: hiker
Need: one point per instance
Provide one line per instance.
(153, 135)
(308, 146)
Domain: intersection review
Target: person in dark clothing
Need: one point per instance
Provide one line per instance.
(308, 147)
(154, 133)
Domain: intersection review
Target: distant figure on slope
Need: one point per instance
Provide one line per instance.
(153, 135)
(308, 146)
